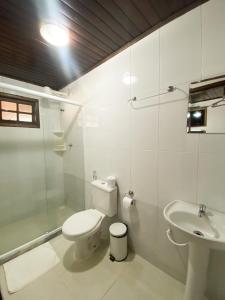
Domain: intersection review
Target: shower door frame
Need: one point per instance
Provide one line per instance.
(30, 245)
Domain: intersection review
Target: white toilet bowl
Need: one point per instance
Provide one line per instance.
(84, 229)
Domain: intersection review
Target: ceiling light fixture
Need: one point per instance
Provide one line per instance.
(55, 34)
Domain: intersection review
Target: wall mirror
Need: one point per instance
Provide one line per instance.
(206, 107)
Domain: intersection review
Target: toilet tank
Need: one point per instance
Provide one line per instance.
(104, 197)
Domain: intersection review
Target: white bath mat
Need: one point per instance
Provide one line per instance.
(29, 266)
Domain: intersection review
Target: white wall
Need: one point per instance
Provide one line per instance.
(148, 150)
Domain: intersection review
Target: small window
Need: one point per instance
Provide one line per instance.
(16, 111)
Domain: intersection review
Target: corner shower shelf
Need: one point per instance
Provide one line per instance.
(63, 149)
(58, 133)
(59, 143)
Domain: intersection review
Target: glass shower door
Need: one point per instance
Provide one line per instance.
(23, 210)
(64, 163)
(41, 176)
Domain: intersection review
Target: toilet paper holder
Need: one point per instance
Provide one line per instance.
(130, 194)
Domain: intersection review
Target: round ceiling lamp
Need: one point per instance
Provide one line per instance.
(55, 34)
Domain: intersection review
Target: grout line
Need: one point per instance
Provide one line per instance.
(130, 124)
(112, 284)
(197, 172)
(158, 126)
(157, 145)
(201, 41)
(159, 151)
(108, 289)
(198, 141)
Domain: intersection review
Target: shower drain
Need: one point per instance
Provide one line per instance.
(197, 232)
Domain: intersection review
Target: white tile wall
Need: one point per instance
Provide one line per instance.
(211, 187)
(212, 143)
(213, 42)
(144, 175)
(145, 66)
(119, 166)
(148, 150)
(172, 126)
(177, 178)
(144, 128)
(180, 49)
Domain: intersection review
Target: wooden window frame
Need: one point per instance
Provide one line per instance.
(20, 100)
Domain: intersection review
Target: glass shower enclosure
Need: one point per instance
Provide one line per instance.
(41, 177)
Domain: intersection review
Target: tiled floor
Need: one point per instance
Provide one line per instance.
(22, 231)
(98, 278)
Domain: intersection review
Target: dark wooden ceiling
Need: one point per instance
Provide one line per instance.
(98, 30)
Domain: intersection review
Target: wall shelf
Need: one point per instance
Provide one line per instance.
(58, 133)
(63, 149)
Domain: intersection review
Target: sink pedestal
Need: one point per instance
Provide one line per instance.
(201, 235)
(197, 271)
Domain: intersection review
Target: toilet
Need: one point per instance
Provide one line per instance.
(84, 227)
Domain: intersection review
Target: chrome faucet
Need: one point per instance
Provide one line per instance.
(202, 210)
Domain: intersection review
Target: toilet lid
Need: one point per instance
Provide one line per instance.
(82, 222)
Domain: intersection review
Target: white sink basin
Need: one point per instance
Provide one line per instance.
(209, 228)
(201, 234)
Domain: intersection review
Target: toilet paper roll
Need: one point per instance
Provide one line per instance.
(111, 181)
(127, 202)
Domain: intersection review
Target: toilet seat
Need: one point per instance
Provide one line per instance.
(82, 223)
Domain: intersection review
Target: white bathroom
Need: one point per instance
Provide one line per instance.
(112, 149)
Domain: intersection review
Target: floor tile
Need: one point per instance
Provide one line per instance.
(127, 288)
(97, 278)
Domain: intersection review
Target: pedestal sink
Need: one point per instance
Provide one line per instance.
(200, 234)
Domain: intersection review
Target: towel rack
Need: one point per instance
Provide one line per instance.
(170, 89)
